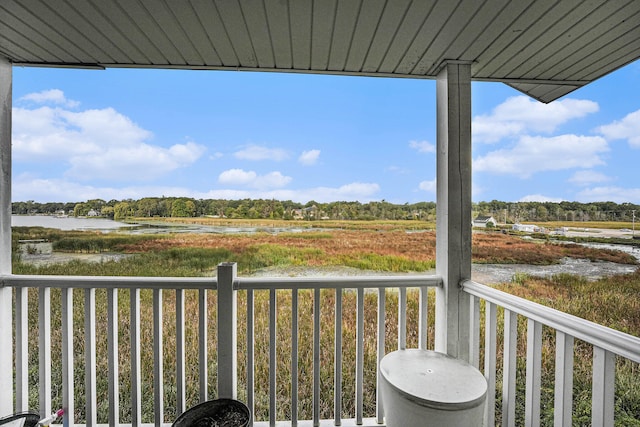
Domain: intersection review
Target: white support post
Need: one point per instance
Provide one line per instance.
(490, 342)
(158, 358)
(534, 374)
(509, 368)
(453, 222)
(203, 346)
(603, 388)
(227, 331)
(136, 362)
(112, 344)
(6, 301)
(563, 395)
(44, 351)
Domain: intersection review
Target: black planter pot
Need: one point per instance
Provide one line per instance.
(29, 419)
(215, 413)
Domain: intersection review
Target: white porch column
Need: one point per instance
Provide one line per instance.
(6, 319)
(227, 331)
(453, 226)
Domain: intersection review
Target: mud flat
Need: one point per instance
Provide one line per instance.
(61, 257)
(483, 273)
(592, 270)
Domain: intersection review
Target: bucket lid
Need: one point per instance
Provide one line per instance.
(434, 379)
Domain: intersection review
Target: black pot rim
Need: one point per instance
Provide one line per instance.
(210, 404)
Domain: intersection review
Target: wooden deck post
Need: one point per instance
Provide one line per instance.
(227, 331)
(6, 308)
(453, 226)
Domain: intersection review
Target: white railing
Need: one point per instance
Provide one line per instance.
(136, 350)
(96, 334)
(606, 344)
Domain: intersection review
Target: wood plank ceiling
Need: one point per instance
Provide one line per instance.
(545, 48)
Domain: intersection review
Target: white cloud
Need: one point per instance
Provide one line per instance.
(105, 127)
(521, 114)
(185, 154)
(44, 133)
(95, 143)
(358, 188)
(257, 152)
(610, 194)
(587, 177)
(423, 146)
(28, 187)
(540, 198)
(237, 177)
(139, 162)
(361, 191)
(533, 154)
(428, 186)
(272, 180)
(252, 179)
(51, 96)
(309, 157)
(628, 128)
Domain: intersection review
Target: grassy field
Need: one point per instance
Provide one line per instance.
(611, 301)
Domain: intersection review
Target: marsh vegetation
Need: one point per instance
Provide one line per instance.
(388, 247)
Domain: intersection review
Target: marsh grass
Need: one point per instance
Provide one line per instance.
(612, 302)
(81, 241)
(262, 339)
(566, 292)
(396, 264)
(304, 224)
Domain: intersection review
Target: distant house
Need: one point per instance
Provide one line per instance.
(306, 213)
(526, 228)
(484, 221)
(93, 212)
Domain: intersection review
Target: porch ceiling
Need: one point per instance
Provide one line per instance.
(545, 48)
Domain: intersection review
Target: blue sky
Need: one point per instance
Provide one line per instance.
(119, 133)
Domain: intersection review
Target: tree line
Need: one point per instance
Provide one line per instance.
(503, 212)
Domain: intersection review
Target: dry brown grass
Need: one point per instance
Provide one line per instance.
(507, 249)
(303, 224)
(487, 247)
(416, 246)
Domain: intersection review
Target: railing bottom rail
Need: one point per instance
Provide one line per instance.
(348, 422)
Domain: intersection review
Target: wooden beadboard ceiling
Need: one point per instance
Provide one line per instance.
(545, 48)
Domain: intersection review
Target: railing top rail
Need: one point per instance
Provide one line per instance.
(128, 282)
(339, 282)
(609, 339)
(121, 282)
